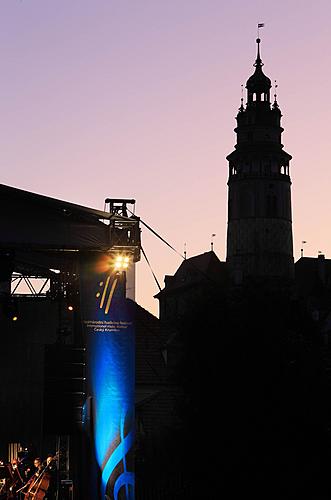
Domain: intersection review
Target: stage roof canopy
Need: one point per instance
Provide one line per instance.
(40, 227)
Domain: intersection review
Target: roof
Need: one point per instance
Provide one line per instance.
(30, 221)
(312, 275)
(40, 232)
(258, 81)
(202, 268)
(10, 193)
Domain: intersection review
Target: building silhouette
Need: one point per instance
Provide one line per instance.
(248, 339)
(233, 379)
(194, 279)
(259, 235)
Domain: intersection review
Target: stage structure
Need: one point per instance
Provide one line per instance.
(81, 257)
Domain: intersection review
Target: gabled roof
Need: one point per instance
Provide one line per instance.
(201, 263)
(203, 268)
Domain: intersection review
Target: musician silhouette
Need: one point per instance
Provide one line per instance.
(37, 485)
(53, 478)
(17, 478)
(38, 465)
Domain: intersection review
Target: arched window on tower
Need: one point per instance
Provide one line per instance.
(230, 208)
(246, 204)
(267, 168)
(232, 170)
(272, 205)
(287, 203)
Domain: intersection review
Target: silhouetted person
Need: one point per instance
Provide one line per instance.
(53, 478)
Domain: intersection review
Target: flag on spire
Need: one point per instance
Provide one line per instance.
(260, 25)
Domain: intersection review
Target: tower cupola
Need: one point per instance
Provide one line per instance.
(258, 85)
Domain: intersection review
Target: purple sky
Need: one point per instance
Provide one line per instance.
(137, 99)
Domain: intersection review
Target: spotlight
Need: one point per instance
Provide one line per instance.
(11, 309)
(121, 262)
(70, 308)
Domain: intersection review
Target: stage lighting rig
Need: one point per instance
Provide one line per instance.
(124, 232)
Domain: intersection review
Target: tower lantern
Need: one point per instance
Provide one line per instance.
(259, 236)
(258, 85)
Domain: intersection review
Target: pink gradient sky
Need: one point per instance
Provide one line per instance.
(137, 99)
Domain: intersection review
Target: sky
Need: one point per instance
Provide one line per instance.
(137, 99)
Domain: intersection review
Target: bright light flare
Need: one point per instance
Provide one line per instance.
(115, 261)
(121, 262)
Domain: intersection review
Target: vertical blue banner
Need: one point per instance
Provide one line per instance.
(107, 318)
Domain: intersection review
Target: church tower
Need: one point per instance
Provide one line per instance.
(259, 237)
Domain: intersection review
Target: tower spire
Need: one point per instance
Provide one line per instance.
(242, 99)
(258, 63)
(258, 85)
(275, 104)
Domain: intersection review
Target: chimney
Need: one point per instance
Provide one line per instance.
(321, 268)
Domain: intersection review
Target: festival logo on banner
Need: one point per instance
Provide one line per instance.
(108, 325)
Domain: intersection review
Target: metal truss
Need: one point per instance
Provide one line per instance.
(31, 283)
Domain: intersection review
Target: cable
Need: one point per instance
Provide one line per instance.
(156, 280)
(158, 236)
(209, 278)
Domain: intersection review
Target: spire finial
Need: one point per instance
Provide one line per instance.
(211, 242)
(242, 99)
(258, 61)
(302, 243)
(275, 104)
